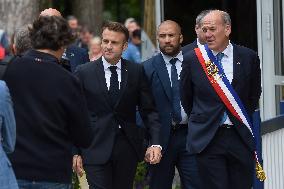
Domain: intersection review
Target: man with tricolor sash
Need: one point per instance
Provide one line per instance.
(220, 89)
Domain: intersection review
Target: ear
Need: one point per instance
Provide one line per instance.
(125, 45)
(227, 30)
(196, 28)
(180, 38)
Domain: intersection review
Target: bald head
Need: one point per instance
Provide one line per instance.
(169, 38)
(170, 23)
(50, 12)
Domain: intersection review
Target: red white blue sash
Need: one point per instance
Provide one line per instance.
(223, 88)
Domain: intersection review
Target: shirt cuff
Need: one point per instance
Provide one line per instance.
(157, 146)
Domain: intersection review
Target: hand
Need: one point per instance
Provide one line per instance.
(153, 155)
(78, 165)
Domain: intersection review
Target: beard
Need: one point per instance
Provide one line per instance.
(170, 52)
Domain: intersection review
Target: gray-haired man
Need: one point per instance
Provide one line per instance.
(200, 40)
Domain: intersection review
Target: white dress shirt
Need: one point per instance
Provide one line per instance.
(108, 72)
(184, 117)
(227, 64)
(198, 43)
(108, 75)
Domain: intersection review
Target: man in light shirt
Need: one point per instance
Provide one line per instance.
(200, 40)
(163, 72)
(221, 140)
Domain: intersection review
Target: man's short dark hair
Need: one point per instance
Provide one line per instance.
(50, 32)
(136, 33)
(86, 29)
(117, 27)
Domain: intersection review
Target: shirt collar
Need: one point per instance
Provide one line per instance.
(167, 58)
(227, 50)
(107, 65)
(198, 43)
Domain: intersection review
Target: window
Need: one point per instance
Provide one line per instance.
(278, 36)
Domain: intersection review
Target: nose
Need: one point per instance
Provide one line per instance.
(208, 34)
(109, 46)
(167, 39)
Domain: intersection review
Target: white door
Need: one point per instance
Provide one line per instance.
(271, 52)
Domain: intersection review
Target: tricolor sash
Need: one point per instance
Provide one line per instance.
(227, 94)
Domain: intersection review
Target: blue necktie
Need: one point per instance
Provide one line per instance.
(114, 85)
(175, 92)
(219, 57)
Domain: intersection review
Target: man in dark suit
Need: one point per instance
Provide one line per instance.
(163, 73)
(114, 88)
(223, 144)
(76, 56)
(200, 40)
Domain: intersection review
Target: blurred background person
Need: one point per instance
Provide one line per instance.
(95, 49)
(131, 24)
(8, 138)
(200, 35)
(133, 51)
(4, 44)
(20, 41)
(50, 109)
(73, 22)
(74, 25)
(86, 35)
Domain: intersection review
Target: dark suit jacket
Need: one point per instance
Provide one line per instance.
(105, 119)
(205, 108)
(76, 56)
(157, 74)
(187, 48)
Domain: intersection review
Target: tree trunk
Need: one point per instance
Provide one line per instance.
(89, 13)
(150, 20)
(16, 13)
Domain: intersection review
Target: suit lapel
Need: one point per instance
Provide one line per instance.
(100, 73)
(160, 67)
(236, 66)
(124, 78)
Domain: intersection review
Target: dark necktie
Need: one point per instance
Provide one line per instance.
(114, 85)
(219, 57)
(175, 92)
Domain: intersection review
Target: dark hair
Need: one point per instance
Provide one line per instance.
(136, 33)
(86, 29)
(50, 32)
(117, 27)
(71, 17)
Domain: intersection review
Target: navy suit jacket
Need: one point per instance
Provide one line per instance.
(187, 48)
(157, 74)
(204, 106)
(76, 56)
